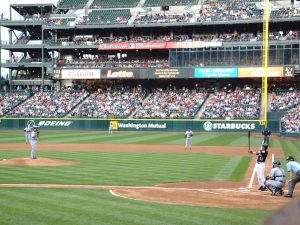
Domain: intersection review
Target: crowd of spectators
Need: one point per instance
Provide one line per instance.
(162, 17)
(229, 10)
(284, 100)
(10, 100)
(117, 102)
(233, 104)
(49, 104)
(171, 103)
(290, 122)
(95, 62)
(222, 37)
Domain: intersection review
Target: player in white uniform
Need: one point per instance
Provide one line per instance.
(188, 139)
(110, 128)
(27, 133)
(34, 142)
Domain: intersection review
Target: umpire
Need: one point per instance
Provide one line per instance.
(293, 168)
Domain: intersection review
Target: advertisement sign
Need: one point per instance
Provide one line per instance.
(80, 73)
(121, 73)
(216, 72)
(193, 44)
(260, 71)
(126, 125)
(289, 71)
(158, 45)
(165, 73)
(228, 126)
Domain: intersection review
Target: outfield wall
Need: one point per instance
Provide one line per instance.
(143, 125)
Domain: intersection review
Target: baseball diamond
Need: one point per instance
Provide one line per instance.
(149, 112)
(215, 176)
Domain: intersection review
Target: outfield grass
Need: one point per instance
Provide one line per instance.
(39, 206)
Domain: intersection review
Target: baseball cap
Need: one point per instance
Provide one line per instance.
(290, 158)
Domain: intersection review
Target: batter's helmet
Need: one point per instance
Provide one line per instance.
(277, 163)
(290, 158)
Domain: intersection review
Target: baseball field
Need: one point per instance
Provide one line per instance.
(142, 178)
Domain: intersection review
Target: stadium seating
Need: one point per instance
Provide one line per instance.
(111, 103)
(152, 3)
(109, 16)
(99, 4)
(10, 100)
(49, 104)
(290, 123)
(233, 104)
(283, 100)
(171, 103)
(72, 4)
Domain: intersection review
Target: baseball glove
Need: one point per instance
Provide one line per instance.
(268, 178)
(250, 151)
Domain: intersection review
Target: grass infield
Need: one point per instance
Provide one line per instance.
(25, 206)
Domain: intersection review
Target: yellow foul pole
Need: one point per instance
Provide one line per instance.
(265, 62)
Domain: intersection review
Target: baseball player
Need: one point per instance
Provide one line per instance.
(293, 169)
(35, 133)
(188, 139)
(275, 181)
(110, 128)
(27, 133)
(266, 134)
(260, 165)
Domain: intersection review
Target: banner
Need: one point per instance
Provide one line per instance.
(80, 74)
(216, 72)
(121, 73)
(260, 71)
(158, 45)
(166, 73)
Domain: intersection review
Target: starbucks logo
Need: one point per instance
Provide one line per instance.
(207, 126)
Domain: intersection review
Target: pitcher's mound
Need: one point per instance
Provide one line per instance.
(36, 162)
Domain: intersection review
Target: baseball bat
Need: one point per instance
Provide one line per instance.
(249, 140)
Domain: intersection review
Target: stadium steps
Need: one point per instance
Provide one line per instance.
(202, 108)
(68, 115)
(141, 3)
(137, 108)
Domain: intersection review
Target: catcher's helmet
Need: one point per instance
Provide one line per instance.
(277, 163)
(290, 158)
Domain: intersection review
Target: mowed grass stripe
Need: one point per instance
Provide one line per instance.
(99, 207)
(228, 168)
(163, 138)
(201, 138)
(137, 138)
(117, 168)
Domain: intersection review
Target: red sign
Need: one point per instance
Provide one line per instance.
(158, 45)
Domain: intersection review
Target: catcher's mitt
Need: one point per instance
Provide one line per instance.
(268, 178)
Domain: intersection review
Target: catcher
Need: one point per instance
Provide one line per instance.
(275, 181)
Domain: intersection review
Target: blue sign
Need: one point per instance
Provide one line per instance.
(216, 72)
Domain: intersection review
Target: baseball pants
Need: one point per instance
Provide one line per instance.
(188, 143)
(260, 172)
(33, 148)
(293, 182)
